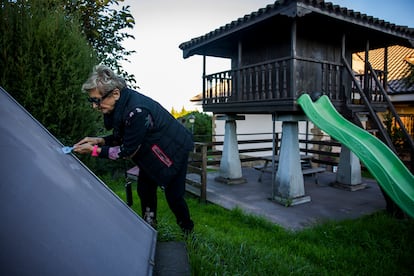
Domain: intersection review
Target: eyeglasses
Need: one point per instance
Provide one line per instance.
(98, 101)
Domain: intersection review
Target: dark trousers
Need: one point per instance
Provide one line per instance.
(174, 193)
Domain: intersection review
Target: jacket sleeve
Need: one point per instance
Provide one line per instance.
(110, 140)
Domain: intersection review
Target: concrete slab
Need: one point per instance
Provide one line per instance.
(171, 259)
(327, 202)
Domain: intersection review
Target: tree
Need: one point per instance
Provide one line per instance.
(202, 128)
(179, 114)
(44, 59)
(103, 23)
(47, 50)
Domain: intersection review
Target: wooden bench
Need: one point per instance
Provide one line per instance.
(309, 171)
(262, 169)
(313, 172)
(306, 164)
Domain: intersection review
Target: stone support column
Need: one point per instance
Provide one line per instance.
(348, 175)
(289, 185)
(230, 165)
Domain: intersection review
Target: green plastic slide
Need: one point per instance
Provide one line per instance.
(389, 171)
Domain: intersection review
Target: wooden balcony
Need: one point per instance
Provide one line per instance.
(271, 87)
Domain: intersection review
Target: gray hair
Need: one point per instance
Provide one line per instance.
(103, 79)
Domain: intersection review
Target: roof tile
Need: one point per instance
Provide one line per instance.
(398, 66)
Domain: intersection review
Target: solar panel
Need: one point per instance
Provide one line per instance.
(57, 217)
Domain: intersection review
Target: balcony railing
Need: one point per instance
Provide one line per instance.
(272, 81)
(258, 82)
(369, 86)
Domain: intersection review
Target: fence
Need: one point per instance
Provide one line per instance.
(325, 152)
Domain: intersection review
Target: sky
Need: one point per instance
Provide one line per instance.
(162, 25)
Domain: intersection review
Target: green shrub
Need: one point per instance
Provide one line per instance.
(44, 60)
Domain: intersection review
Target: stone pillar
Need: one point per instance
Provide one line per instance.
(348, 175)
(289, 185)
(230, 165)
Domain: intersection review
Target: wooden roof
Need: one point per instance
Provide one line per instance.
(298, 8)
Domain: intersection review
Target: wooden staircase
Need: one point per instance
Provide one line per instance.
(365, 113)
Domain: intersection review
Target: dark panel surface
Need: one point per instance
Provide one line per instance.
(56, 216)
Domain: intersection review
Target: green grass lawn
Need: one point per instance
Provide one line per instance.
(233, 243)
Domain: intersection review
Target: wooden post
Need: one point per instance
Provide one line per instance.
(203, 187)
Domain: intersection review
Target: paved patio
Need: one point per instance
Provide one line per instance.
(327, 202)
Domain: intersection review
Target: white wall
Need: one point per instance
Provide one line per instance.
(259, 125)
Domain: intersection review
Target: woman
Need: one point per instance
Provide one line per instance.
(148, 134)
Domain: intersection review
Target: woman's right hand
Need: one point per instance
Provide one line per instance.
(91, 140)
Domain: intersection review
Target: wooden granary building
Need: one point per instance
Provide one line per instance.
(294, 47)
